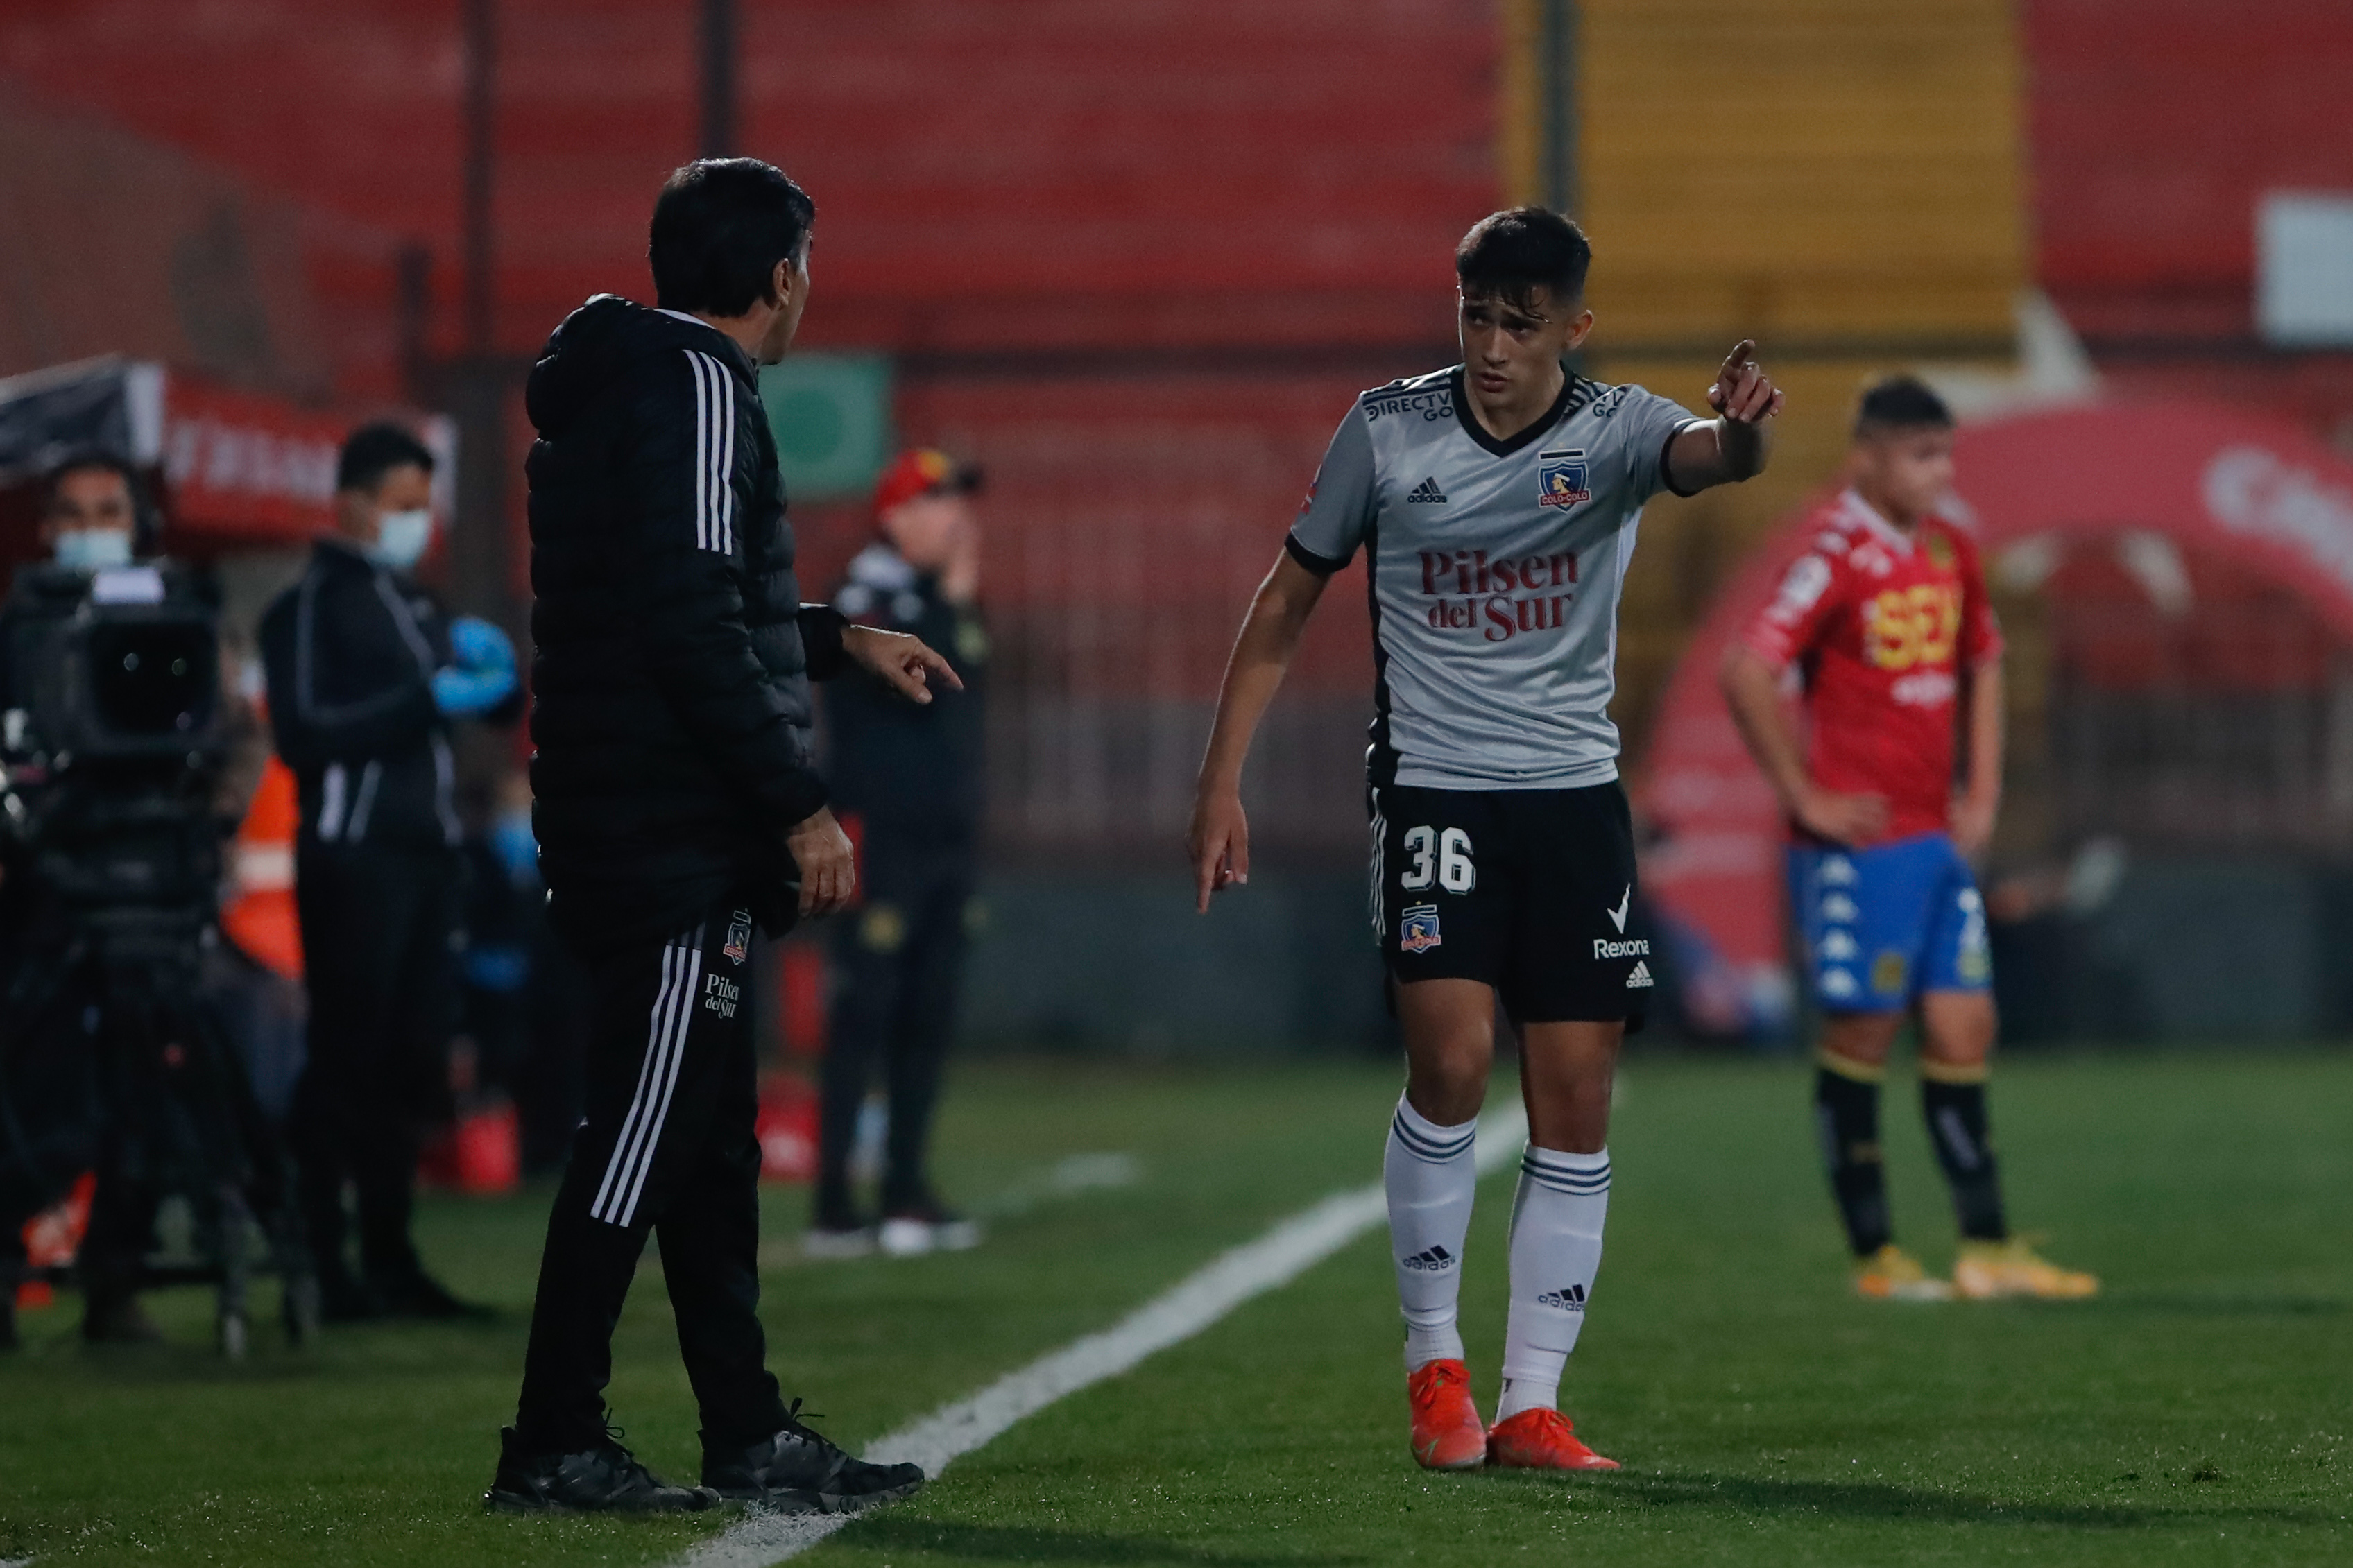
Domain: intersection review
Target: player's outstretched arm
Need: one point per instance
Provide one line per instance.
(1752, 690)
(1738, 443)
(1219, 838)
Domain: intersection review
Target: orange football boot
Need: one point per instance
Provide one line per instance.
(1540, 1440)
(1447, 1432)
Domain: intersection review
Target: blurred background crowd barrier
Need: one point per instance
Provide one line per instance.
(1137, 258)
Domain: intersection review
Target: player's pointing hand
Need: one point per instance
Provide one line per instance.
(1219, 841)
(1743, 392)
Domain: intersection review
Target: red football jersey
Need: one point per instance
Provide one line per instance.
(1882, 627)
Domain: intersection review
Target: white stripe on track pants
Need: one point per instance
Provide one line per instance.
(667, 1144)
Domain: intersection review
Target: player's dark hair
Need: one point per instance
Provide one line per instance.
(1509, 255)
(373, 451)
(1900, 403)
(720, 224)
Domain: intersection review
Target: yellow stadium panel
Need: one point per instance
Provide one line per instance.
(1842, 176)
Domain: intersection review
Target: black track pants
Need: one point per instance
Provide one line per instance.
(899, 963)
(377, 931)
(668, 1145)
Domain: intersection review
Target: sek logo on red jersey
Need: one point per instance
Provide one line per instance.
(1906, 627)
(1497, 598)
(1562, 482)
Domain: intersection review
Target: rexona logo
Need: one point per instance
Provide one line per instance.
(1634, 947)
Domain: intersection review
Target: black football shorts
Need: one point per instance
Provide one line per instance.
(1531, 892)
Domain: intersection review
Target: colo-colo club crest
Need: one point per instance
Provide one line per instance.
(739, 937)
(1418, 930)
(1560, 478)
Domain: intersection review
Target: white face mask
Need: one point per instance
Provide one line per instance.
(401, 538)
(93, 549)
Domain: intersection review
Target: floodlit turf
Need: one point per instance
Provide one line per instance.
(2197, 1412)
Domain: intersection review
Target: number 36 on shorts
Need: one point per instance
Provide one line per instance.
(1438, 856)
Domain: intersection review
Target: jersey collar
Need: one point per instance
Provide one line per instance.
(1890, 535)
(1574, 391)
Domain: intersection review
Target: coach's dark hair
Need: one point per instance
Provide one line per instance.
(1510, 254)
(720, 224)
(1900, 403)
(373, 451)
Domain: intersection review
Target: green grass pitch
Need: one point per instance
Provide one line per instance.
(2197, 1412)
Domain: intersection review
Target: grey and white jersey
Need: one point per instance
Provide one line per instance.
(1496, 568)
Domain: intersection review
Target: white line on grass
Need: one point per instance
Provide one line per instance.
(1281, 1256)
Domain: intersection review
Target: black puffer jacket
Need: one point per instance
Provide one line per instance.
(671, 703)
(350, 652)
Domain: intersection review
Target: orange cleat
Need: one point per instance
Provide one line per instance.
(1540, 1440)
(1447, 1432)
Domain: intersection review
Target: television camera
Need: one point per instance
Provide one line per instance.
(111, 747)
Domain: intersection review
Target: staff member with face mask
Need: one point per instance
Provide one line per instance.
(365, 676)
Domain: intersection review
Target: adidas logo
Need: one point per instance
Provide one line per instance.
(1426, 490)
(1436, 1260)
(1571, 1299)
(1640, 977)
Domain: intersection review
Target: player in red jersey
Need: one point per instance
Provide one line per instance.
(1885, 623)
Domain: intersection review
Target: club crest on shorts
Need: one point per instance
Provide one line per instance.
(1418, 929)
(739, 936)
(1560, 478)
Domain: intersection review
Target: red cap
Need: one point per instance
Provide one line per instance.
(923, 471)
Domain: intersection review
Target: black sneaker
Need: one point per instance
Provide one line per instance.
(605, 1479)
(794, 1471)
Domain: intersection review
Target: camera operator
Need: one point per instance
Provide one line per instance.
(92, 517)
(365, 676)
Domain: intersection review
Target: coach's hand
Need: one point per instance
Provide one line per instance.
(1853, 820)
(828, 862)
(1218, 839)
(904, 662)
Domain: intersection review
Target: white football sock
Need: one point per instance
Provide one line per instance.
(1430, 1176)
(1556, 1250)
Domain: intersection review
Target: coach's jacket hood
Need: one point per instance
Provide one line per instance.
(598, 344)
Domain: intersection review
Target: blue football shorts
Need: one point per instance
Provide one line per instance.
(1882, 925)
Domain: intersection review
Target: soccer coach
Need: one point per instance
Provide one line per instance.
(678, 807)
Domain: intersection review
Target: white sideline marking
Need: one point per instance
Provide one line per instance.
(1275, 1258)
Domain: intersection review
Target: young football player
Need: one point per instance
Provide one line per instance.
(1885, 621)
(1496, 502)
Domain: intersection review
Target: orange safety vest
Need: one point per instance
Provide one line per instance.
(259, 916)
